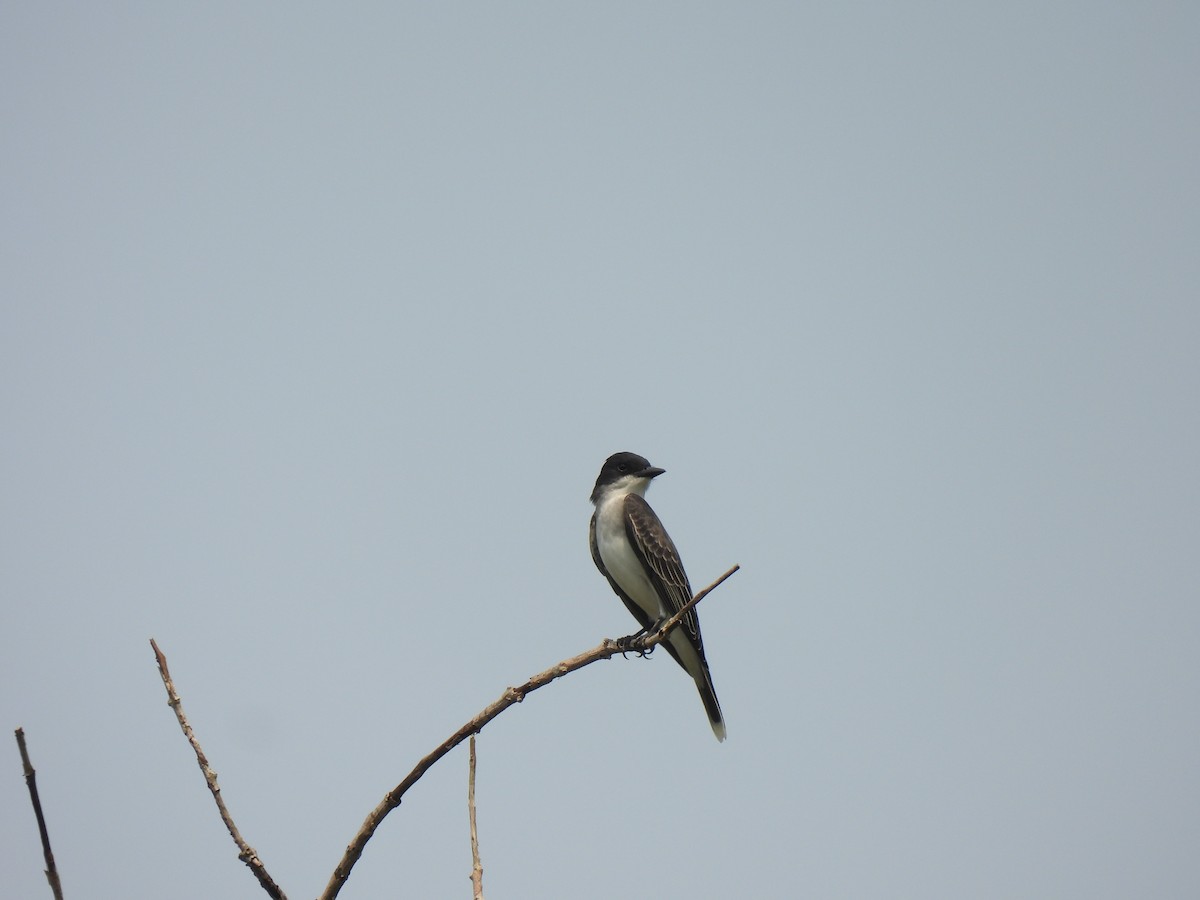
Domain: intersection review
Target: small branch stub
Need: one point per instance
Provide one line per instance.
(476, 865)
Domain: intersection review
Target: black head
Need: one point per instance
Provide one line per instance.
(623, 465)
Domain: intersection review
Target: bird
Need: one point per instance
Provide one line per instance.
(632, 549)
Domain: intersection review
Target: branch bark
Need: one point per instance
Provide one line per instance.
(245, 852)
(605, 650)
(31, 783)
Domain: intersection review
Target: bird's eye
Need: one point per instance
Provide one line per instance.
(623, 467)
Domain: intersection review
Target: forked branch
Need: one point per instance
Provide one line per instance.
(606, 650)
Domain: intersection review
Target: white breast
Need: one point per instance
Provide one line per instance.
(619, 558)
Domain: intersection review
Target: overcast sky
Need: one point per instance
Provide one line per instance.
(317, 324)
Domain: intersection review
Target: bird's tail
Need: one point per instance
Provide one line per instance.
(690, 657)
(705, 686)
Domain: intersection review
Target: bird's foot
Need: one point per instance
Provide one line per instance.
(635, 643)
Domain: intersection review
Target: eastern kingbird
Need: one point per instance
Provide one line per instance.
(637, 556)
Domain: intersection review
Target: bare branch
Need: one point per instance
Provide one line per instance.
(606, 650)
(31, 783)
(245, 852)
(476, 866)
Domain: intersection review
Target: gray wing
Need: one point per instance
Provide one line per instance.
(658, 554)
(657, 551)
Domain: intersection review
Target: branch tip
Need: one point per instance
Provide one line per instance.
(245, 852)
(51, 870)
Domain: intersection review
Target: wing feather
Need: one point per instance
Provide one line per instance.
(657, 551)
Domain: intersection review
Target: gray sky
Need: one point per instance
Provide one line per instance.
(318, 324)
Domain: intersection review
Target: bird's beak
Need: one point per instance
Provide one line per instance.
(652, 472)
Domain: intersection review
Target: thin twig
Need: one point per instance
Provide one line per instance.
(245, 852)
(476, 866)
(606, 650)
(31, 783)
(657, 637)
